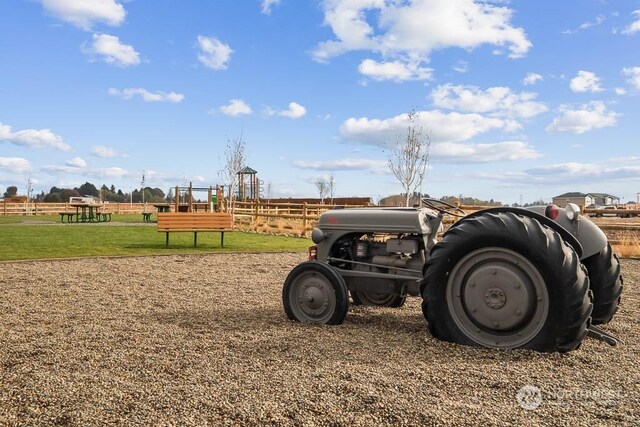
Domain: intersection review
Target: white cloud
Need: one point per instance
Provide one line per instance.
(147, 96)
(377, 166)
(531, 79)
(587, 24)
(620, 91)
(446, 132)
(33, 138)
(396, 71)
(585, 81)
(16, 165)
(567, 174)
(582, 172)
(461, 67)
(105, 152)
(634, 27)
(85, 13)
(499, 101)
(213, 53)
(236, 107)
(413, 30)
(633, 74)
(451, 152)
(112, 51)
(76, 165)
(77, 162)
(114, 172)
(587, 117)
(295, 111)
(268, 4)
(441, 127)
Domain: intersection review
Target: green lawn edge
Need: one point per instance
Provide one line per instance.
(20, 241)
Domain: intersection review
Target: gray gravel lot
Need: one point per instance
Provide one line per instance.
(202, 339)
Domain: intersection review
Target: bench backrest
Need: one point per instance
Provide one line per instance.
(190, 221)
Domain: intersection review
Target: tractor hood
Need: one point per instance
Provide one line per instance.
(377, 220)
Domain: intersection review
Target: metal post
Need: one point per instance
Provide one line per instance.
(304, 218)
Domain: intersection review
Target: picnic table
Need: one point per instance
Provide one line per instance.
(162, 207)
(159, 207)
(88, 212)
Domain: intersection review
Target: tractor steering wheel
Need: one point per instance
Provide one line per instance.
(448, 208)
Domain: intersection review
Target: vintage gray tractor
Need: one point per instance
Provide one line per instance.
(538, 278)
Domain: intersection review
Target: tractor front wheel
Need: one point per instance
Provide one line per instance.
(314, 292)
(504, 280)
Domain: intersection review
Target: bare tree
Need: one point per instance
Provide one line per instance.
(331, 184)
(323, 187)
(235, 161)
(410, 156)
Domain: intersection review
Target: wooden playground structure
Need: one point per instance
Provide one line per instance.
(248, 189)
(248, 185)
(185, 202)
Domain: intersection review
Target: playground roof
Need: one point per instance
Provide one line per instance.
(248, 170)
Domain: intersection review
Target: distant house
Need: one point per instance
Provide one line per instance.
(586, 199)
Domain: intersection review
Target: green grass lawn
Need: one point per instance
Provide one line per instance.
(21, 219)
(19, 241)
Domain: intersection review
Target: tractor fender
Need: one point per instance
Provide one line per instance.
(575, 241)
(590, 236)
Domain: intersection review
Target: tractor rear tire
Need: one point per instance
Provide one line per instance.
(314, 292)
(504, 280)
(606, 283)
(377, 300)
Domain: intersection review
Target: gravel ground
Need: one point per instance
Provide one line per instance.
(202, 339)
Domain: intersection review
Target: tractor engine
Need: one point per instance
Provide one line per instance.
(401, 259)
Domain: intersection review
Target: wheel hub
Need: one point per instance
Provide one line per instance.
(495, 298)
(497, 294)
(314, 298)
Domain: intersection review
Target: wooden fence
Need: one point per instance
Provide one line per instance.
(306, 212)
(42, 208)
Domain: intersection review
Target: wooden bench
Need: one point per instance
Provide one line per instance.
(195, 223)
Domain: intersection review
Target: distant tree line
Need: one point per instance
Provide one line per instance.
(414, 199)
(470, 201)
(539, 202)
(106, 194)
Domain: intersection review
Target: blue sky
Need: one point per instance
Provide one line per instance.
(522, 99)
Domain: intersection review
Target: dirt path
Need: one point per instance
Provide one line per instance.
(202, 339)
